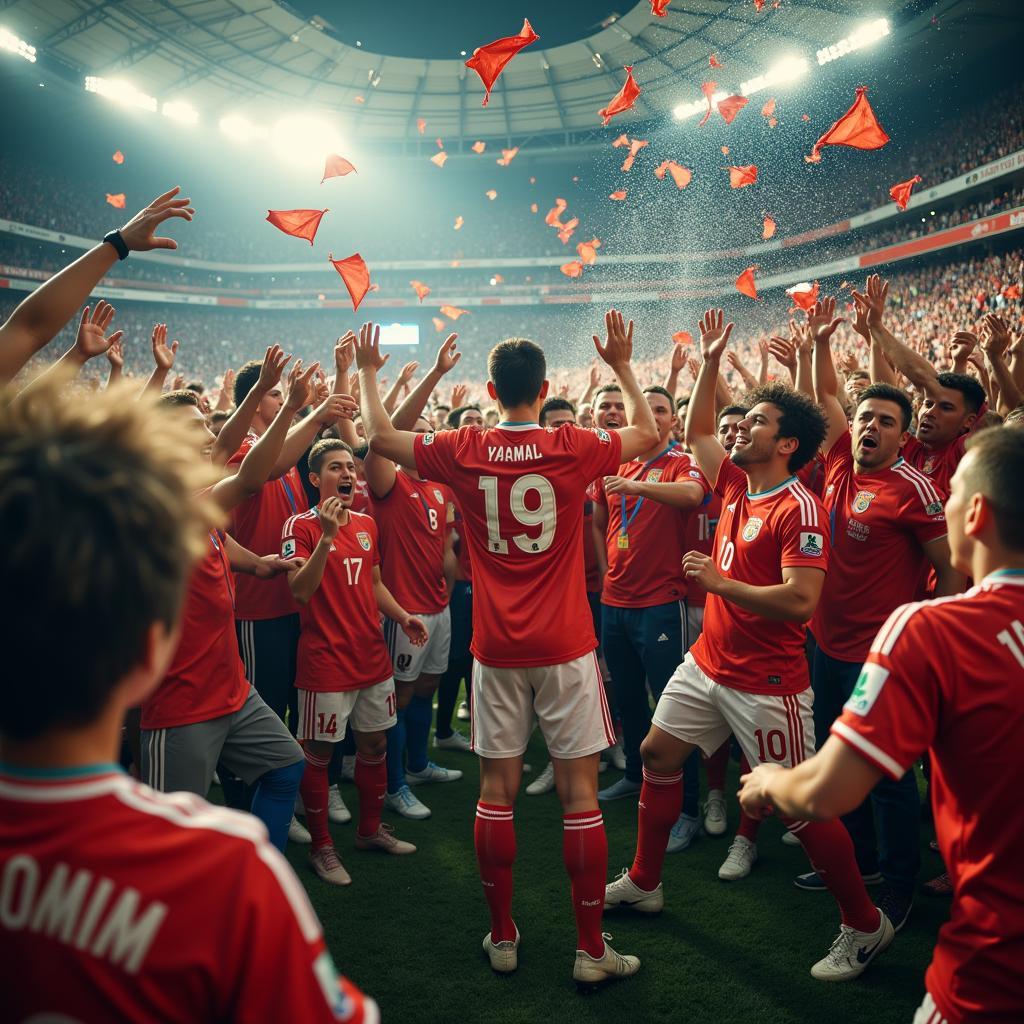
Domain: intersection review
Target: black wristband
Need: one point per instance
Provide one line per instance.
(115, 239)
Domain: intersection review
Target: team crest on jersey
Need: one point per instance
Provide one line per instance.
(862, 500)
(929, 465)
(869, 685)
(428, 439)
(933, 508)
(438, 496)
(811, 544)
(288, 548)
(364, 540)
(654, 476)
(752, 529)
(602, 435)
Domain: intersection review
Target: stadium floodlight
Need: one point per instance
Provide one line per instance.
(788, 69)
(864, 36)
(120, 91)
(12, 44)
(240, 129)
(682, 111)
(304, 138)
(177, 110)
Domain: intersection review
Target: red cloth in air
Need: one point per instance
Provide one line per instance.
(489, 61)
(439, 158)
(298, 223)
(478, 147)
(745, 284)
(573, 269)
(507, 156)
(714, 62)
(900, 192)
(857, 128)
(683, 338)
(804, 295)
(731, 106)
(421, 125)
(623, 99)
(337, 167)
(740, 176)
(356, 276)
(658, 7)
(118, 157)
(769, 228)
(421, 290)
(453, 312)
(769, 108)
(116, 200)
(618, 195)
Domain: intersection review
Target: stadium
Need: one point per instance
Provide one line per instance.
(355, 162)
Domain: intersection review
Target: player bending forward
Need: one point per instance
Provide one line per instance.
(521, 490)
(747, 674)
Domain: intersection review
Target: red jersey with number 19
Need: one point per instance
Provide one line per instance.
(759, 535)
(521, 490)
(948, 675)
(341, 646)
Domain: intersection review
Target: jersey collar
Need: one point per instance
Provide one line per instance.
(757, 496)
(1015, 576)
(77, 771)
(518, 425)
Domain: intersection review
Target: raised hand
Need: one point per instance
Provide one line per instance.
(407, 373)
(595, 373)
(996, 339)
(298, 385)
(447, 357)
(138, 232)
(714, 334)
(848, 363)
(459, 393)
(618, 347)
(678, 361)
(694, 367)
(344, 353)
(274, 362)
(784, 352)
(163, 355)
(735, 362)
(320, 389)
(334, 408)
(228, 383)
(368, 348)
(92, 339)
(563, 391)
(115, 355)
(871, 302)
(329, 513)
(822, 321)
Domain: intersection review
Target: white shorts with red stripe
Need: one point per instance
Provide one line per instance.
(775, 728)
(567, 701)
(325, 716)
(928, 1012)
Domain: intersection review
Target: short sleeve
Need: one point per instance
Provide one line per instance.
(803, 534)
(435, 453)
(685, 470)
(371, 525)
(243, 450)
(892, 715)
(295, 541)
(599, 451)
(595, 492)
(730, 477)
(839, 457)
(924, 514)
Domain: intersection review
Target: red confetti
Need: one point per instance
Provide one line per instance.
(573, 269)
(708, 88)
(587, 251)
(507, 156)
(731, 106)
(421, 125)
(533, 207)
(439, 158)
(118, 157)
(725, 151)
(622, 140)
(553, 219)
(421, 290)
(439, 324)
(714, 62)
(453, 312)
(661, 170)
(618, 195)
(769, 228)
(355, 274)
(772, 122)
(116, 200)
(658, 7)
(683, 338)
(498, 279)
(337, 167)
(565, 232)
(623, 99)
(900, 193)
(478, 147)
(491, 194)
(740, 176)
(758, 4)
(634, 147)
(769, 108)
(804, 295)
(805, 117)
(440, 144)
(459, 222)
(857, 128)
(489, 61)
(298, 223)
(680, 175)
(745, 283)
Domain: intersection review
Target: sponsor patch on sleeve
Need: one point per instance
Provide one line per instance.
(288, 548)
(602, 435)
(869, 685)
(812, 544)
(428, 439)
(933, 508)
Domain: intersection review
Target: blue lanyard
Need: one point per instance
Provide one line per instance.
(627, 520)
(288, 494)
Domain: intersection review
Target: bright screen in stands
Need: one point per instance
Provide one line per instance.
(399, 334)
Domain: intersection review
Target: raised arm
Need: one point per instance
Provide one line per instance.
(617, 351)
(381, 434)
(594, 382)
(749, 380)
(700, 432)
(822, 324)
(677, 363)
(994, 344)
(163, 357)
(804, 379)
(236, 426)
(41, 316)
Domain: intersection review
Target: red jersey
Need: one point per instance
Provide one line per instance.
(650, 570)
(521, 489)
(812, 476)
(412, 518)
(948, 676)
(124, 904)
(758, 536)
(700, 536)
(256, 525)
(937, 463)
(341, 645)
(205, 678)
(465, 568)
(590, 569)
(879, 522)
(361, 500)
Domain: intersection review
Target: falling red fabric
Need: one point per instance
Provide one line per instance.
(857, 128)
(489, 61)
(680, 175)
(421, 290)
(804, 295)
(440, 144)
(565, 232)
(298, 223)
(740, 176)
(805, 117)
(337, 167)
(453, 312)
(507, 156)
(772, 122)
(587, 251)
(573, 269)
(758, 4)
(713, 62)
(618, 195)
(533, 207)
(900, 193)
(623, 99)
(731, 106)
(683, 338)
(708, 88)
(118, 157)
(491, 194)
(553, 219)
(421, 125)
(439, 324)
(658, 7)
(745, 283)
(439, 158)
(661, 170)
(634, 147)
(459, 222)
(769, 228)
(116, 200)
(479, 147)
(355, 274)
(622, 140)
(769, 108)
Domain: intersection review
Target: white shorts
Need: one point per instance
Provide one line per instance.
(928, 1012)
(567, 701)
(410, 661)
(697, 710)
(324, 716)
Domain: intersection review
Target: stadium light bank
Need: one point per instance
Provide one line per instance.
(12, 44)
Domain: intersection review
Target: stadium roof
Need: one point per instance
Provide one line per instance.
(255, 57)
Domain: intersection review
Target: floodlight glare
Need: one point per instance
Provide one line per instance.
(12, 44)
(788, 69)
(179, 111)
(240, 129)
(120, 91)
(304, 138)
(864, 36)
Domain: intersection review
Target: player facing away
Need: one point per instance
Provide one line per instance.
(521, 490)
(948, 676)
(344, 670)
(121, 902)
(747, 674)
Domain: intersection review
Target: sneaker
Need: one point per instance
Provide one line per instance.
(620, 789)
(790, 838)
(336, 809)
(590, 971)
(298, 833)
(454, 742)
(384, 841)
(624, 892)
(544, 783)
(739, 861)
(406, 804)
(617, 756)
(682, 834)
(896, 906)
(813, 882)
(852, 951)
(433, 773)
(715, 821)
(325, 863)
(348, 768)
(504, 956)
(463, 713)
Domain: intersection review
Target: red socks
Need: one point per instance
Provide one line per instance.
(313, 788)
(585, 852)
(830, 849)
(661, 798)
(494, 836)
(716, 764)
(372, 784)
